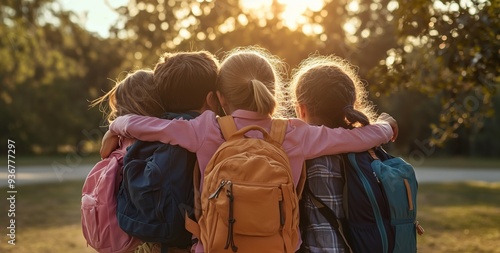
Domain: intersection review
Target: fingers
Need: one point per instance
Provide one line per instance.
(395, 130)
(110, 142)
(392, 122)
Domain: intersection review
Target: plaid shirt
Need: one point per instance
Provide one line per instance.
(326, 183)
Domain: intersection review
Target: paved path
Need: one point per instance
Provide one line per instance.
(427, 175)
(60, 172)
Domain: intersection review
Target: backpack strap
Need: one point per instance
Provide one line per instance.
(330, 217)
(372, 154)
(190, 224)
(227, 126)
(302, 181)
(197, 194)
(278, 132)
(278, 129)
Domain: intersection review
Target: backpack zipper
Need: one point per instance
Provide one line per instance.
(375, 175)
(219, 188)
(231, 220)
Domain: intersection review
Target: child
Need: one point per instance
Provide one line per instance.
(327, 92)
(246, 88)
(181, 82)
(185, 82)
(135, 95)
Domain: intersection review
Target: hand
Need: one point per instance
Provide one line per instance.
(110, 142)
(394, 124)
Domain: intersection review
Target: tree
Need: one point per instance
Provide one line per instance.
(154, 27)
(444, 53)
(446, 49)
(48, 73)
(449, 50)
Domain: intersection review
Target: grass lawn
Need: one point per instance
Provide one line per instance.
(47, 219)
(457, 217)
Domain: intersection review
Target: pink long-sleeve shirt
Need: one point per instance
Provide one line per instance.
(203, 136)
(302, 141)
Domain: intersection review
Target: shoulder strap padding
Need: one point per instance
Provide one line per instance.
(227, 126)
(302, 181)
(278, 129)
(278, 132)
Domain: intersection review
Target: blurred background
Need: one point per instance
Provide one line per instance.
(432, 64)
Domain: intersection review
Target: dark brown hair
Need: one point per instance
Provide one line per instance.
(184, 79)
(332, 92)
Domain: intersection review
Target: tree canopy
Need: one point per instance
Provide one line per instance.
(434, 65)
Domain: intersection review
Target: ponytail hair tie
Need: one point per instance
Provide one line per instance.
(347, 107)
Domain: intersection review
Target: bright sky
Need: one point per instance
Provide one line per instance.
(293, 9)
(99, 15)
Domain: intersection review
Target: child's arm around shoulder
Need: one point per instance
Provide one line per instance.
(176, 132)
(384, 117)
(321, 140)
(119, 127)
(110, 142)
(138, 127)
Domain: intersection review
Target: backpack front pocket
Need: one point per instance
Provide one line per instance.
(256, 209)
(90, 223)
(405, 240)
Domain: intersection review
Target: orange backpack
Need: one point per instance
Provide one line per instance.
(248, 200)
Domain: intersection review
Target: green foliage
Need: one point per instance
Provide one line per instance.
(448, 50)
(48, 74)
(434, 61)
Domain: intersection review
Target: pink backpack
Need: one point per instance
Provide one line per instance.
(99, 223)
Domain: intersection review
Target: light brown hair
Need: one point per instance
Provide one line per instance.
(135, 94)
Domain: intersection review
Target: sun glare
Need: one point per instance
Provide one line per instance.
(293, 12)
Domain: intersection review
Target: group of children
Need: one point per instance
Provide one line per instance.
(333, 117)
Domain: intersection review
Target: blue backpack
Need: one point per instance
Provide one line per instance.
(157, 191)
(380, 204)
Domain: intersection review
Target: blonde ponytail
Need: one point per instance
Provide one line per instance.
(264, 99)
(249, 79)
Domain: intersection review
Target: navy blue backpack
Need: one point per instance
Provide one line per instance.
(380, 204)
(156, 191)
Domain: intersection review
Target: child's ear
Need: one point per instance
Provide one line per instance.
(211, 101)
(301, 111)
(222, 101)
(223, 104)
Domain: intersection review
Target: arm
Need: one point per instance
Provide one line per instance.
(110, 142)
(321, 140)
(394, 125)
(185, 133)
